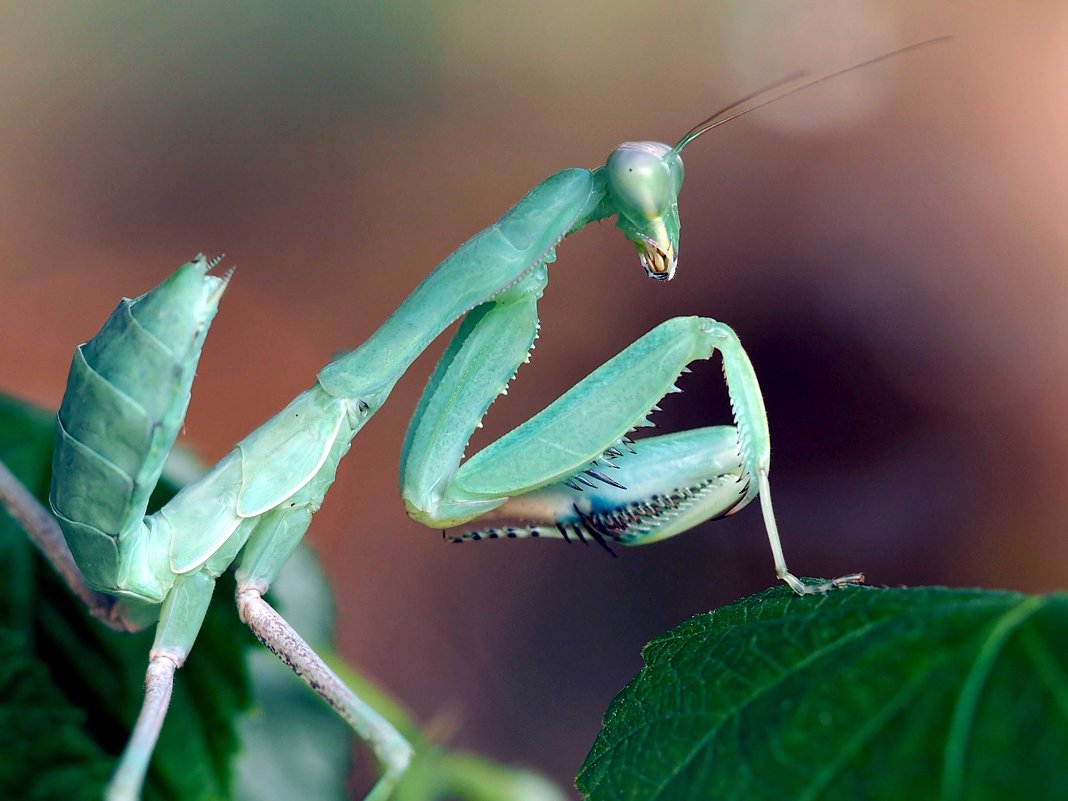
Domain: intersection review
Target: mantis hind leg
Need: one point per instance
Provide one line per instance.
(129, 776)
(180, 619)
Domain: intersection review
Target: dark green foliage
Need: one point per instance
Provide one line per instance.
(925, 693)
(70, 687)
(46, 752)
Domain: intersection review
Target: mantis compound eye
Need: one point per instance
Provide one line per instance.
(643, 182)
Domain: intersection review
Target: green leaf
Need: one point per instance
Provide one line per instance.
(42, 735)
(96, 674)
(925, 693)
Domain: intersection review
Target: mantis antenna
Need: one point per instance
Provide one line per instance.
(784, 87)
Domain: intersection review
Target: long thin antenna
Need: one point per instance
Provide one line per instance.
(784, 88)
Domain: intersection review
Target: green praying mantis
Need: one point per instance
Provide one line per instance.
(570, 471)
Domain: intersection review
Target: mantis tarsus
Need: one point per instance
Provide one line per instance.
(571, 470)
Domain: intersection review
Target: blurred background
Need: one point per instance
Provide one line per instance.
(890, 247)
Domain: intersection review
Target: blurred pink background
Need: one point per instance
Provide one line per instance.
(891, 248)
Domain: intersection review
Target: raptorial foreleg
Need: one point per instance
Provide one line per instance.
(555, 470)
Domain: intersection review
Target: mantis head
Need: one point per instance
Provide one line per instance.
(644, 179)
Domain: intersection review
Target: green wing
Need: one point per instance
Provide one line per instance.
(126, 398)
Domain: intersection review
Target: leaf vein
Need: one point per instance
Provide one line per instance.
(955, 753)
(813, 656)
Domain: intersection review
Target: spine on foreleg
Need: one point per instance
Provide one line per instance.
(126, 398)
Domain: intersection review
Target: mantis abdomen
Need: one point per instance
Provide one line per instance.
(126, 399)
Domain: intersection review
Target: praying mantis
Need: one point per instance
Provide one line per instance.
(572, 470)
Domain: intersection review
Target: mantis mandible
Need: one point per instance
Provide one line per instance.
(571, 470)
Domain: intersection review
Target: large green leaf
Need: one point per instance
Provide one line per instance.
(925, 693)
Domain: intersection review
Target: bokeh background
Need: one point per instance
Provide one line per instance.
(890, 246)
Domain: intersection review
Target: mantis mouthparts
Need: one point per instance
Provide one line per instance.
(659, 262)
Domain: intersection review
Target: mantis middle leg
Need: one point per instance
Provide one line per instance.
(269, 547)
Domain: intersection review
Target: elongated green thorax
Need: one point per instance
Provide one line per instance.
(488, 264)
